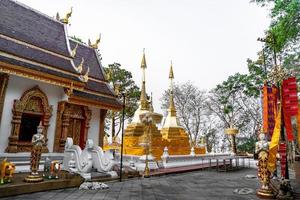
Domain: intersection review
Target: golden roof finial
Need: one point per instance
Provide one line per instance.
(171, 74)
(74, 51)
(80, 66)
(144, 64)
(95, 45)
(66, 19)
(108, 74)
(85, 77)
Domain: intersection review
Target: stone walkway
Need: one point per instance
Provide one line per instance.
(193, 185)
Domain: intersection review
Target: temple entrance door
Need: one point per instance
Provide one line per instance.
(28, 128)
(72, 121)
(76, 131)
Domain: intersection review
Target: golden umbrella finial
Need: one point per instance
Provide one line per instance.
(144, 64)
(278, 74)
(171, 73)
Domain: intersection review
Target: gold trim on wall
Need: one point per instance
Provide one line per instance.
(39, 76)
(92, 103)
(3, 86)
(7, 55)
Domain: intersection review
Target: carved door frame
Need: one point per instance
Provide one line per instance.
(22, 106)
(65, 111)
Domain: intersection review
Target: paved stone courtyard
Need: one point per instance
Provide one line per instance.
(193, 185)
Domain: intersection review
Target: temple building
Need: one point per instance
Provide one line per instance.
(47, 76)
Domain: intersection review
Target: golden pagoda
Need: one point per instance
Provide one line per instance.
(176, 139)
(134, 131)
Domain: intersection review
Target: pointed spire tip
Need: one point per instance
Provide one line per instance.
(171, 73)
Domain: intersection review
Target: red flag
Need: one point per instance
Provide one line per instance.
(269, 99)
(282, 152)
(288, 126)
(290, 104)
(289, 96)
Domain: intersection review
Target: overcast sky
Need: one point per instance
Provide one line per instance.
(207, 40)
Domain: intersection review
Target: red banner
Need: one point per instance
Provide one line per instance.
(282, 152)
(269, 108)
(290, 104)
(289, 96)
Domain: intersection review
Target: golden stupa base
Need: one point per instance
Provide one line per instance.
(176, 137)
(174, 150)
(33, 178)
(134, 137)
(200, 150)
(265, 194)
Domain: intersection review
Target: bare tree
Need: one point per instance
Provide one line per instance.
(237, 109)
(190, 106)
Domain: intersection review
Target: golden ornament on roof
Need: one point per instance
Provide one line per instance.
(85, 77)
(80, 66)
(97, 42)
(65, 20)
(74, 51)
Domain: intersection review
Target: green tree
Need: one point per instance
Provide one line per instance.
(77, 39)
(236, 102)
(283, 34)
(122, 82)
(190, 106)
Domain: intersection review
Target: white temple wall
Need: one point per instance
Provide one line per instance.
(94, 126)
(15, 88)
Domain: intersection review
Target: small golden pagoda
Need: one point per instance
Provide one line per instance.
(114, 145)
(176, 139)
(134, 131)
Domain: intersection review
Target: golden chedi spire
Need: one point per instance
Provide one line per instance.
(172, 109)
(171, 73)
(174, 134)
(143, 98)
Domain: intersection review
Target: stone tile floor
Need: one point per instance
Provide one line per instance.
(192, 185)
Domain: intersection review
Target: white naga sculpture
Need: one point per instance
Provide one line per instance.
(102, 161)
(82, 161)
